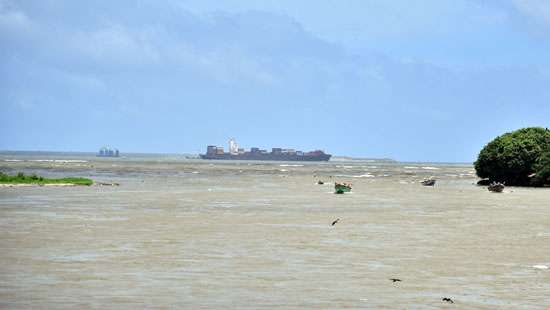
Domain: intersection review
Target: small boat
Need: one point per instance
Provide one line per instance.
(496, 187)
(320, 182)
(340, 188)
(428, 182)
(484, 182)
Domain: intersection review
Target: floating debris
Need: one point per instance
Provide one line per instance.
(447, 299)
(320, 182)
(428, 182)
(107, 184)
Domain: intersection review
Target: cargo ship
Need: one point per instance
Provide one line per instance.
(236, 153)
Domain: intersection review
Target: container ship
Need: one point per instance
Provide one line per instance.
(236, 153)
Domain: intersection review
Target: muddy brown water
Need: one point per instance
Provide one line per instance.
(246, 235)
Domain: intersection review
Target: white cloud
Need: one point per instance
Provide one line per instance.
(539, 10)
(13, 22)
(356, 23)
(115, 45)
(14, 19)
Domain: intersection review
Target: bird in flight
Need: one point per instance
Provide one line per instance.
(395, 280)
(447, 299)
(336, 221)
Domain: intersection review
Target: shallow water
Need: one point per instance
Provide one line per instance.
(250, 235)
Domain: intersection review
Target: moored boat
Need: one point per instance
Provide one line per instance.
(340, 188)
(428, 182)
(496, 187)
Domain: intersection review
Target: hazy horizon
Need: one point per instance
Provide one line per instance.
(335, 157)
(408, 80)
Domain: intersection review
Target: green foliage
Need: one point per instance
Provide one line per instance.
(513, 157)
(543, 169)
(21, 178)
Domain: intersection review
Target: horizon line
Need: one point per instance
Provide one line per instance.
(196, 154)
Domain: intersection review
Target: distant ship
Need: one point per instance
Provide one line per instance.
(236, 153)
(108, 152)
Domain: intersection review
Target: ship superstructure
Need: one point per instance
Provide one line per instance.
(255, 153)
(108, 152)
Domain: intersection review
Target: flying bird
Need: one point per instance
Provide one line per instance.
(395, 280)
(336, 221)
(448, 300)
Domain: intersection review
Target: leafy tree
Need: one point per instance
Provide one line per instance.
(512, 158)
(543, 169)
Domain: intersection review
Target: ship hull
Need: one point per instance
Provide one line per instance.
(266, 157)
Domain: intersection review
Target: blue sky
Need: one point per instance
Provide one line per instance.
(427, 80)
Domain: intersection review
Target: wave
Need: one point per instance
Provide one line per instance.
(430, 168)
(59, 160)
(364, 176)
(355, 176)
(289, 165)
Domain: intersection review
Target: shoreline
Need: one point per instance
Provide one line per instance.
(8, 185)
(38, 185)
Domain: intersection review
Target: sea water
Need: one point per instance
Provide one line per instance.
(187, 233)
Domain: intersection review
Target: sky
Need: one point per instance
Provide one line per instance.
(412, 80)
